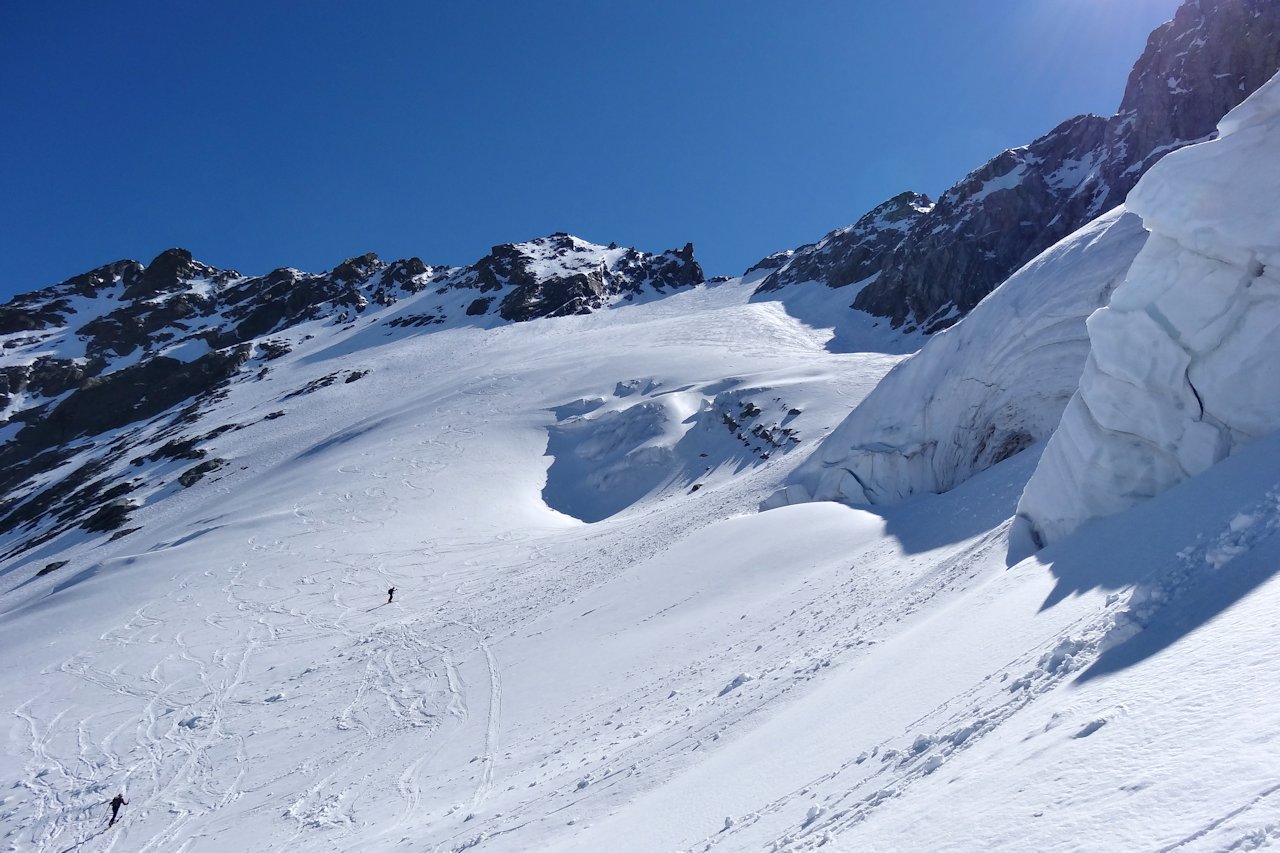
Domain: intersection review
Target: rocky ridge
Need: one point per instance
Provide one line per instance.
(1195, 68)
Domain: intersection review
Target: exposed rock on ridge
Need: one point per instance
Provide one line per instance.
(1194, 69)
(851, 254)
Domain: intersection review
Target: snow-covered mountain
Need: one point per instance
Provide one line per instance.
(1000, 216)
(676, 671)
(118, 363)
(212, 483)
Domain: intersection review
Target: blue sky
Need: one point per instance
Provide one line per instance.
(271, 134)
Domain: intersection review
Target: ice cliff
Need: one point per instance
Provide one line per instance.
(982, 390)
(1183, 363)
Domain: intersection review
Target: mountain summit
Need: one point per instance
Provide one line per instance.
(1195, 68)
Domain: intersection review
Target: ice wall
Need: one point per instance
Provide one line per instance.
(1184, 365)
(982, 390)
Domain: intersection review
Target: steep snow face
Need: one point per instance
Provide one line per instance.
(1182, 365)
(982, 390)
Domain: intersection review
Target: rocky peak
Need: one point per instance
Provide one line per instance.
(79, 359)
(901, 211)
(851, 254)
(769, 263)
(172, 269)
(357, 269)
(561, 274)
(1212, 55)
(89, 284)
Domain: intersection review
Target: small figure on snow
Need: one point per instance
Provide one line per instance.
(116, 802)
(391, 593)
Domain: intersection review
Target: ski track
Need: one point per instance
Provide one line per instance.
(179, 772)
(176, 783)
(184, 695)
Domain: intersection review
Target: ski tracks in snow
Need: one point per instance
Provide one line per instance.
(493, 715)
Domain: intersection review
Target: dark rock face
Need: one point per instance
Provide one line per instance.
(194, 474)
(1208, 59)
(109, 516)
(118, 399)
(1196, 68)
(561, 275)
(92, 283)
(171, 270)
(42, 309)
(851, 254)
(356, 269)
(46, 376)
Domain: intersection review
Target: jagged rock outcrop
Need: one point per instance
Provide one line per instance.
(1182, 364)
(1194, 69)
(172, 269)
(848, 255)
(561, 275)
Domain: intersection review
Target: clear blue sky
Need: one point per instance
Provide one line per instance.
(264, 134)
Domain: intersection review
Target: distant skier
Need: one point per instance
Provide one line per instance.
(116, 802)
(391, 593)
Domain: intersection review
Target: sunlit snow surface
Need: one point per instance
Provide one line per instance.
(683, 673)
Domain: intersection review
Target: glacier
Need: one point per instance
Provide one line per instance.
(982, 390)
(1181, 368)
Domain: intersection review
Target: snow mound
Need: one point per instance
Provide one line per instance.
(646, 439)
(982, 390)
(1181, 368)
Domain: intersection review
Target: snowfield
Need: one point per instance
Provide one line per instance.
(679, 672)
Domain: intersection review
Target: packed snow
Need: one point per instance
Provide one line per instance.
(1181, 369)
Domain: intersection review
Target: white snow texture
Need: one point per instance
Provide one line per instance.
(1181, 371)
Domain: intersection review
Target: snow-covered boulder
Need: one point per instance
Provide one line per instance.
(1183, 363)
(982, 390)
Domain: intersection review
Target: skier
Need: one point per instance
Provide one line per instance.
(391, 593)
(116, 802)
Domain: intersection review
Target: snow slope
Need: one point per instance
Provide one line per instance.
(982, 390)
(228, 664)
(1181, 369)
(680, 673)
